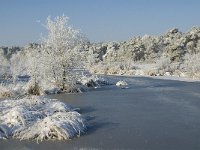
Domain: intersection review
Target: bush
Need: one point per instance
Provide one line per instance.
(191, 65)
(34, 89)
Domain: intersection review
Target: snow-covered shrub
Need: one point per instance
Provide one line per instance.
(5, 91)
(93, 81)
(163, 63)
(121, 83)
(18, 64)
(101, 81)
(99, 68)
(28, 63)
(191, 65)
(39, 119)
(120, 68)
(12, 90)
(87, 81)
(4, 65)
(34, 89)
(60, 126)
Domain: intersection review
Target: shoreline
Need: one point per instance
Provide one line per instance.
(150, 110)
(176, 78)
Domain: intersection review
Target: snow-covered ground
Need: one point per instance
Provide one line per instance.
(25, 87)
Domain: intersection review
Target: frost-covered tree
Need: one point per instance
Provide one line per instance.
(26, 62)
(55, 60)
(4, 64)
(59, 51)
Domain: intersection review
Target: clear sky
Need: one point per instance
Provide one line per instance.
(99, 20)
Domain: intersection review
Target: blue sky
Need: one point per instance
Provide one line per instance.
(99, 20)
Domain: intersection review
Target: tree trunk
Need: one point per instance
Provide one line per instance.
(64, 78)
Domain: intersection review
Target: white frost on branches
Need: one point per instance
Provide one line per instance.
(60, 52)
(54, 62)
(4, 64)
(192, 65)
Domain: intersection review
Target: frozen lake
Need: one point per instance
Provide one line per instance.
(152, 114)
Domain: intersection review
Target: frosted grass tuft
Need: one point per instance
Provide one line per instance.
(39, 118)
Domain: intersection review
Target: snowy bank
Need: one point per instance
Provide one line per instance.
(23, 88)
(39, 119)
